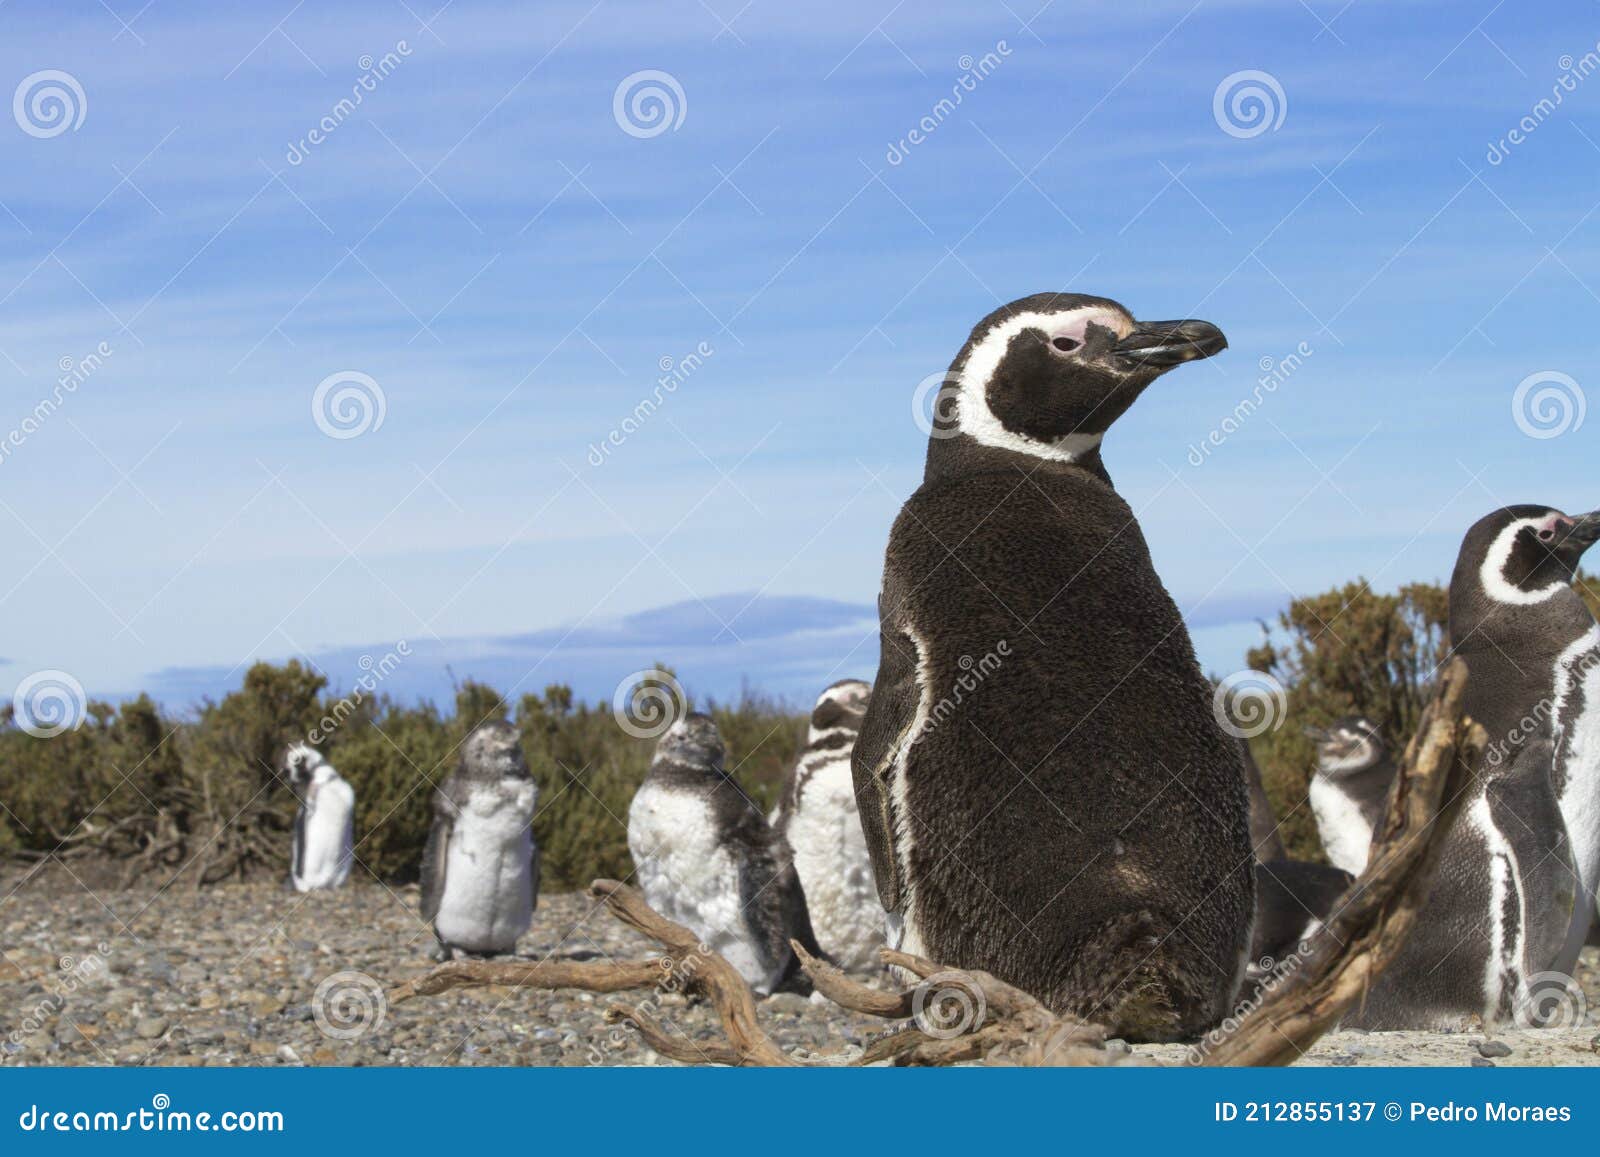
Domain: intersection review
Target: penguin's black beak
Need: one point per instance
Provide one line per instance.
(1585, 531)
(1164, 344)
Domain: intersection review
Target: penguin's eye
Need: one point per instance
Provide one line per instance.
(1547, 535)
(1065, 344)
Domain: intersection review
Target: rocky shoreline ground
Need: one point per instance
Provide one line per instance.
(253, 974)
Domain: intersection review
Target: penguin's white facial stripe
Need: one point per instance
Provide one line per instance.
(1492, 574)
(973, 416)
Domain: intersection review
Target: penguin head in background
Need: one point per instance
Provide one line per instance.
(1349, 746)
(1514, 562)
(300, 765)
(840, 708)
(692, 742)
(1048, 374)
(493, 751)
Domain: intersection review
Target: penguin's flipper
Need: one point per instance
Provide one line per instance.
(435, 855)
(533, 872)
(1524, 806)
(884, 739)
(299, 870)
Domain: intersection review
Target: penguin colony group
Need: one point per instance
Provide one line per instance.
(1084, 828)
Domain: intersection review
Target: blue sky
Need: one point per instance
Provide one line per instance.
(482, 239)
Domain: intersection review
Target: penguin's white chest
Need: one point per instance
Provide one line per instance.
(690, 876)
(830, 854)
(1577, 718)
(326, 837)
(487, 901)
(1346, 834)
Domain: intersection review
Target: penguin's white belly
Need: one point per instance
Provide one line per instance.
(1578, 689)
(830, 854)
(487, 902)
(328, 834)
(1346, 834)
(690, 877)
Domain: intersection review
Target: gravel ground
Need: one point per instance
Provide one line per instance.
(230, 976)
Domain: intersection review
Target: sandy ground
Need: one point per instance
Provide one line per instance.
(257, 975)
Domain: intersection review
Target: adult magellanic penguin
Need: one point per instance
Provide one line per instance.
(1077, 823)
(707, 858)
(1513, 898)
(818, 819)
(480, 869)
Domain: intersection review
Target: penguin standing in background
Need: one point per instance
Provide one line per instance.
(707, 859)
(324, 825)
(480, 869)
(1077, 823)
(1514, 895)
(1350, 788)
(819, 822)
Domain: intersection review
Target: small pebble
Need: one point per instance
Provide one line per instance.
(1494, 1048)
(1482, 1063)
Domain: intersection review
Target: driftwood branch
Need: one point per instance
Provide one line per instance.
(1377, 913)
(953, 1016)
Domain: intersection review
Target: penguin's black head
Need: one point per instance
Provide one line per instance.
(692, 741)
(494, 751)
(1347, 746)
(1522, 555)
(1048, 374)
